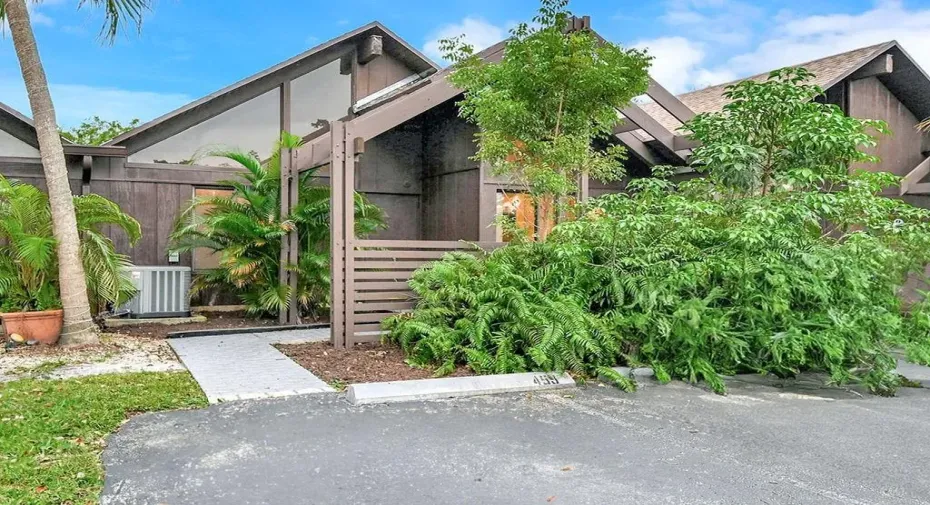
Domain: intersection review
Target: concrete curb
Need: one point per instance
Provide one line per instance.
(234, 331)
(116, 322)
(454, 387)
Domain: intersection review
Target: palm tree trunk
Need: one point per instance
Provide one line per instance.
(78, 325)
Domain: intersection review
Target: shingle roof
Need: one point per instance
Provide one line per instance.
(827, 72)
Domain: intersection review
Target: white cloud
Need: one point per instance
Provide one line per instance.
(77, 102)
(678, 64)
(692, 60)
(799, 39)
(727, 22)
(477, 32)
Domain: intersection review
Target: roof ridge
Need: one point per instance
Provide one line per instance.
(802, 64)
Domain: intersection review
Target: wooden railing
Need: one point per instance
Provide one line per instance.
(377, 272)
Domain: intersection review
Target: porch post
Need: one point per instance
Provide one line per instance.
(288, 200)
(349, 144)
(337, 212)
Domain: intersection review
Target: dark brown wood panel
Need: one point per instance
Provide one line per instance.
(145, 206)
(169, 203)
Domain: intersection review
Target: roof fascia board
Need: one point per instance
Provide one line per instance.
(393, 113)
(18, 125)
(324, 48)
(853, 68)
(881, 65)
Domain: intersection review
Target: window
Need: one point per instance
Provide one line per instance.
(15, 148)
(203, 258)
(534, 219)
(252, 126)
(323, 94)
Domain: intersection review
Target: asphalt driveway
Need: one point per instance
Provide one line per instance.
(664, 444)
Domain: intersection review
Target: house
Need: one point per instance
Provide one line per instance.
(417, 166)
(154, 169)
(378, 117)
(414, 139)
(880, 81)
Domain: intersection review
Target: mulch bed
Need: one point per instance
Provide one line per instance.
(362, 363)
(214, 321)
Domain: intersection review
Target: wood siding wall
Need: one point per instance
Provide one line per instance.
(451, 179)
(900, 152)
(380, 73)
(389, 173)
(153, 195)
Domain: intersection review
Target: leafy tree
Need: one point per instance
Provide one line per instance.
(554, 95)
(779, 261)
(96, 131)
(245, 230)
(773, 127)
(28, 265)
(78, 324)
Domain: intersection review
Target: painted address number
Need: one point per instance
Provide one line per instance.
(545, 379)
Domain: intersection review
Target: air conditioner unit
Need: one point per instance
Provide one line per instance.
(162, 292)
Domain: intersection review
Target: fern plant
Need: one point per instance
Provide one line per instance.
(28, 263)
(779, 262)
(245, 228)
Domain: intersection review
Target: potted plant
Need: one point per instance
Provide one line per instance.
(29, 296)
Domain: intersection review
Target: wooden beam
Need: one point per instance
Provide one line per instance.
(286, 206)
(78, 150)
(649, 124)
(625, 126)
(337, 242)
(682, 142)
(370, 48)
(639, 148)
(882, 65)
(669, 102)
(348, 222)
(911, 181)
(377, 121)
(922, 188)
(87, 166)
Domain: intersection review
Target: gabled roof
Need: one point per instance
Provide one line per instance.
(392, 44)
(827, 72)
(20, 126)
(423, 94)
(14, 114)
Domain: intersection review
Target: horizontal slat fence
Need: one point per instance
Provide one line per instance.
(378, 271)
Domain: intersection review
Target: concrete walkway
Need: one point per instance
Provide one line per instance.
(672, 444)
(245, 366)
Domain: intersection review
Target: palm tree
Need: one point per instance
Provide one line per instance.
(27, 250)
(78, 324)
(244, 230)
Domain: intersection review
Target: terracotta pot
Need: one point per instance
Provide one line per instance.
(43, 326)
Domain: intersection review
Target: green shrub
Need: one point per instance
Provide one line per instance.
(28, 261)
(245, 229)
(779, 261)
(672, 277)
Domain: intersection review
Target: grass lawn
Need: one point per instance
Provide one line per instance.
(52, 432)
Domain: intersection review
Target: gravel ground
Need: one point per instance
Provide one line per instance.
(115, 354)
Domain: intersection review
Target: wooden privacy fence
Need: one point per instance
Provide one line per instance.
(369, 277)
(376, 274)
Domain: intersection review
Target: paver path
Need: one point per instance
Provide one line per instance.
(245, 366)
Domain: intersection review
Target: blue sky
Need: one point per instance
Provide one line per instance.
(189, 48)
